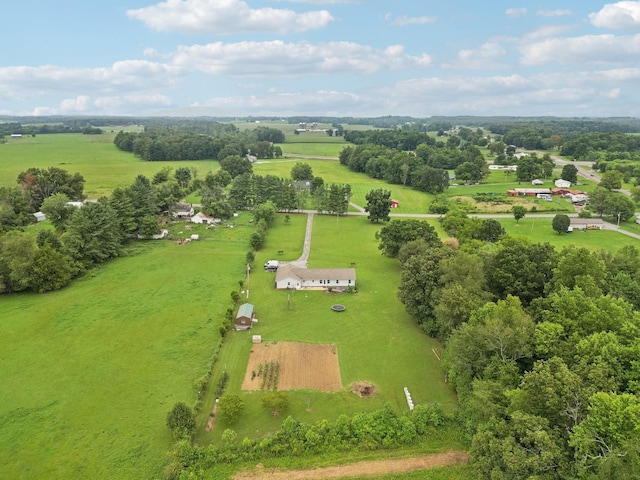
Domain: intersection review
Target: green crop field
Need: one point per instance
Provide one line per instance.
(89, 373)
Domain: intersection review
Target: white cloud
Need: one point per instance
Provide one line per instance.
(613, 94)
(515, 12)
(483, 57)
(123, 77)
(588, 49)
(584, 93)
(546, 32)
(554, 13)
(403, 21)
(621, 15)
(280, 58)
(226, 17)
(327, 2)
(325, 102)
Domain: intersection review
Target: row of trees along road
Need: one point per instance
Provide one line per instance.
(542, 345)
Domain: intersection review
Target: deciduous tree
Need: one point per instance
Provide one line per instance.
(569, 173)
(561, 223)
(398, 232)
(378, 205)
(611, 180)
(518, 212)
(230, 408)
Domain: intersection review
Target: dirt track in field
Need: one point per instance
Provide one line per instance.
(359, 469)
(301, 366)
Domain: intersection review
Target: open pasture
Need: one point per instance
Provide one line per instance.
(95, 157)
(89, 373)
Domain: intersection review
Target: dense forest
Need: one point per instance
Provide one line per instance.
(542, 346)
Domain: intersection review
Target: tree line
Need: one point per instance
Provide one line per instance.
(541, 345)
(176, 144)
(425, 168)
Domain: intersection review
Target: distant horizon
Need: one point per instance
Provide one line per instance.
(339, 58)
(4, 118)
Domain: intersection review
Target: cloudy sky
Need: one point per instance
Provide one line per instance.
(320, 57)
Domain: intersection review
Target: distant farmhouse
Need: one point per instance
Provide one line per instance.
(296, 278)
(182, 210)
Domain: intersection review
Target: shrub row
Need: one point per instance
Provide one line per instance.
(372, 430)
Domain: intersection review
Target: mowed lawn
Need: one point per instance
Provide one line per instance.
(539, 230)
(95, 157)
(89, 373)
(375, 339)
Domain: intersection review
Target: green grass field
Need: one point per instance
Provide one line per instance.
(539, 230)
(95, 157)
(411, 201)
(375, 338)
(89, 373)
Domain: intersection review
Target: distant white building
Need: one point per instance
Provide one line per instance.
(204, 218)
(537, 182)
(510, 168)
(560, 183)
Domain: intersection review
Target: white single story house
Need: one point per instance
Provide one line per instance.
(40, 216)
(182, 210)
(297, 278)
(537, 181)
(75, 204)
(560, 183)
(586, 224)
(204, 218)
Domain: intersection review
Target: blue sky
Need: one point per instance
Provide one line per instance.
(320, 57)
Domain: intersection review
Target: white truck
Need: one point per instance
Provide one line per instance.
(271, 266)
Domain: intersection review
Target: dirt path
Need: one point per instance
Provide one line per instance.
(359, 469)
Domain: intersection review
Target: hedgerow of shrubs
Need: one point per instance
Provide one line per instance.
(382, 428)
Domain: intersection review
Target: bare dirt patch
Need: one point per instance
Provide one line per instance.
(363, 389)
(302, 366)
(359, 469)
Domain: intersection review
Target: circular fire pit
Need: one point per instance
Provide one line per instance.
(338, 308)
